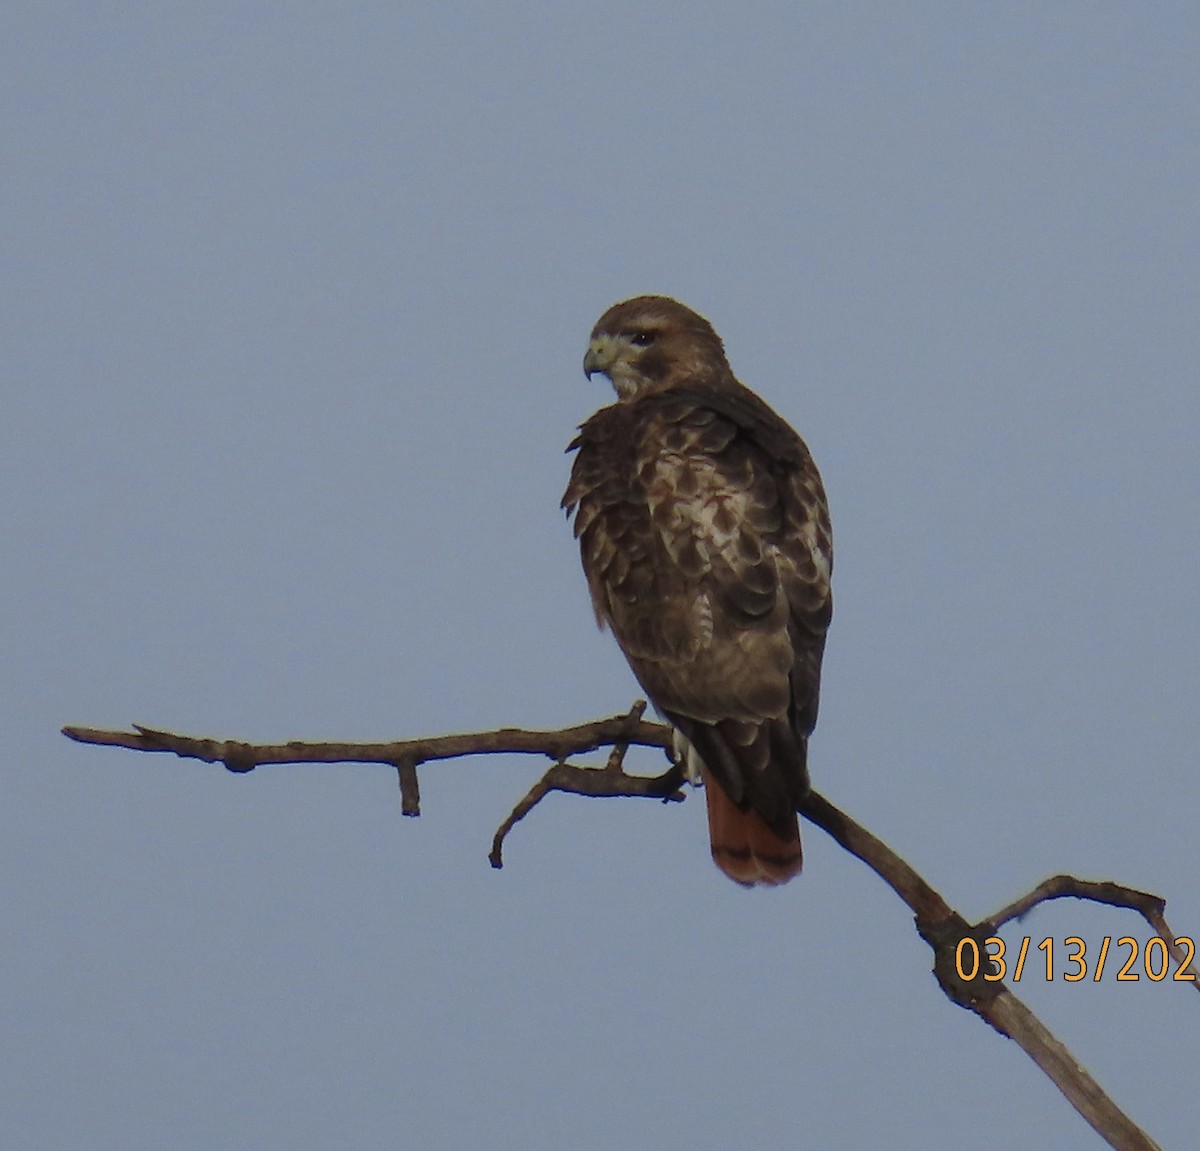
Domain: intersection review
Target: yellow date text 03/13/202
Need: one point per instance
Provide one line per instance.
(1155, 954)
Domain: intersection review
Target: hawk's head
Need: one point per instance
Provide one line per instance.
(652, 343)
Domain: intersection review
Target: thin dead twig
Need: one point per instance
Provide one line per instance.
(1149, 906)
(593, 781)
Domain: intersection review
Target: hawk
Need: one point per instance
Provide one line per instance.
(705, 538)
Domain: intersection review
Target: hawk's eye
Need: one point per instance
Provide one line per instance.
(643, 339)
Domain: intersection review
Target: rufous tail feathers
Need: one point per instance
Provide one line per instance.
(744, 846)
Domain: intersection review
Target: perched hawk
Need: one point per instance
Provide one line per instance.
(706, 543)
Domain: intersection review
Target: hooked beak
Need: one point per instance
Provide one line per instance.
(600, 356)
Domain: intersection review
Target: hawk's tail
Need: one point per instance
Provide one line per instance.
(744, 846)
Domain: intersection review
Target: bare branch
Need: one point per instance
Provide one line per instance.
(1009, 1016)
(944, 929)
(928, 907)
(241, 757)
(591, 781)
(937, 923)
(1150, 907)
(1067, 886)
(410, 787)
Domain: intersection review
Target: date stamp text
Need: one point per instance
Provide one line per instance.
(1072, 960)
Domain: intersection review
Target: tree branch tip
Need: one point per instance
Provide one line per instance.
(104, 737)
(410, 787)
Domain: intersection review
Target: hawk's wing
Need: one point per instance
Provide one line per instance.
(705, 538)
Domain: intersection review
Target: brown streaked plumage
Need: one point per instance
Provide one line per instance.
(705, 538)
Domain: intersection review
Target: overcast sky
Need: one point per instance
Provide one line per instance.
(294, 303)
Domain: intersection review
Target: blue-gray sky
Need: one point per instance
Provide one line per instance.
(294, 303)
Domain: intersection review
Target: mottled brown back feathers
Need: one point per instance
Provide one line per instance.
(705, 539)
